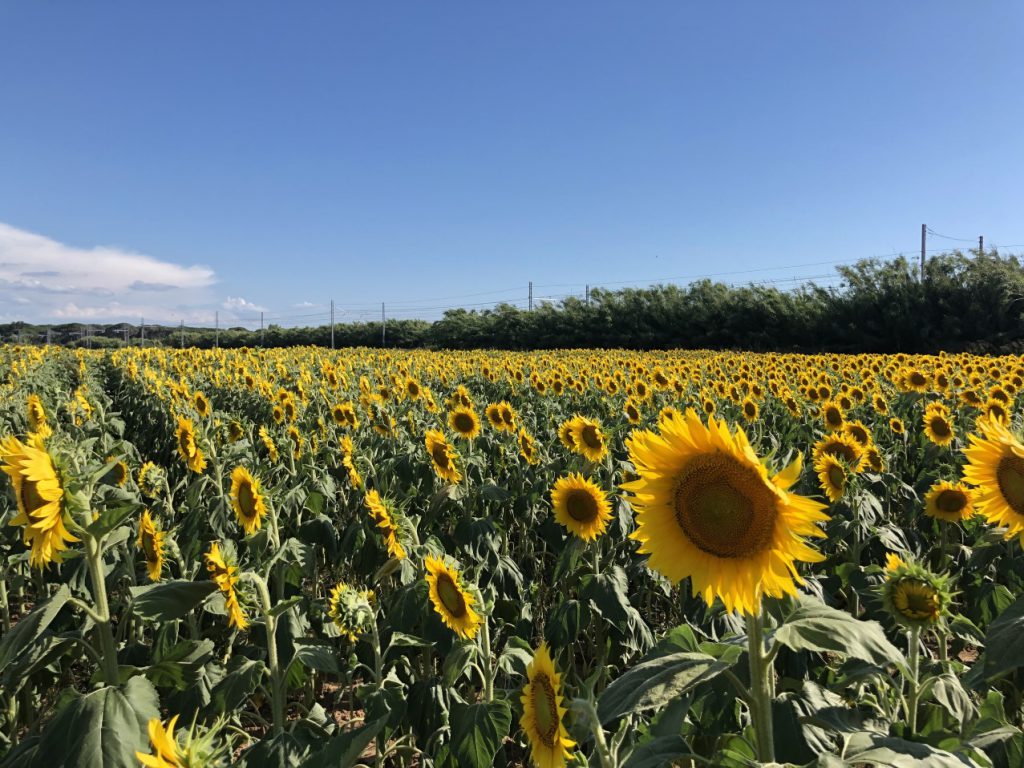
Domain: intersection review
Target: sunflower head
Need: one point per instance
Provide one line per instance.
(388, 521)
(118, 473)
(442, 457)
(151, 544)
(938, 427)
(527, 447)
(914, 596)
(708, 509)
(246, 499)
(543, 713)
(188, 447)
(588, 439)
(166, 752)
(225, 575)
(36, 414)
(151, 479)
(451, 601)
(951, 502)
(350, 610)
(464, 422)
(581, 506)
(995, 464)
(833, 475)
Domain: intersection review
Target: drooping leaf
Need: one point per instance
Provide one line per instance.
(169, 600)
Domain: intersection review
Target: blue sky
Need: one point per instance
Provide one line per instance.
(184, 158)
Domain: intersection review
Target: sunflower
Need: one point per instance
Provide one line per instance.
(297, 442)
(631, 411)
(833, 476)
(442, 456)
(187, 447)
(840, 446)
(859, 432)
(451, 602)
(873, 459)
(246, 499)
(151, 479)
(235, 431)
(166, 753)
(347, 461)
(938, 427)
(914, 596)
(543, 712)
(995, 463)
(527, 448)
(226, 577)
(581, 506)
(493, 414)
(36, 414)
(40, 495)
(202, 405)
(351, 610)
(508, 416)
(707, 509)
(832, 415)
(897, 426)
(750, 409)
(948, 501)
(465, 422)
(268, 443)
(589, 439)
(151, 542)
(384, 518)
(565, 433)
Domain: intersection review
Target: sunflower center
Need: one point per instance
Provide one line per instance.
(185, 444)
(451, 596)
(951, 501)
(940, 427)
(842, 451)
(247, 500)
(545, 710)
(149, 547)
(860, 435)
(724, 507)
(463, 422)
(581, 505)
(1010, 476)
(917, 601)
(833, 417)
(440, 456)
(30, 498)
(836, 476)
(590, 437)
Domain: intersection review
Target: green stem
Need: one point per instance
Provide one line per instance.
(378, 676)
(276, 683)
(760, 689)
(94, 557)
(914, 678)
(603, 753)
(485, 650)
(5, 608)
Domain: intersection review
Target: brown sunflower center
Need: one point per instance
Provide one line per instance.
(545, 709)
(30, 498)
(186, 444)
(149, 547)
(918, 379)
(581, 505)
(451, 596)
(860, 434)
(916, 600)
(836, 476)
(724, 507)
(1010, 476)
(590, 437)
(844, 451)
(833, 417)
(439, 453)
(632, 413)
(940, 427)
(463, 423)
(247, 500)
(749, 409)
(951, 501)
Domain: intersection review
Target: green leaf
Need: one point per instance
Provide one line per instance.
(28, 629)
(168, 600)
(891, 752)
(1003, 649)
(656, 682)
(284, 605)
(658, 752)
(237, 686)
(344, 749)
(478, 730)
(318, 655)
(104, 727)
(814, 626)
(455, 662)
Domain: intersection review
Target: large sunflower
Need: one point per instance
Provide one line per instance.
(708, 509)
(246, 499)
(995, 463)
(39, 494)
(187, 447)
(938, 427)
(151, 542)
(948, 501)
(588, 438)
(453, 603)
(833, 476)
(580, 506)
(543, 712)
(442, 456)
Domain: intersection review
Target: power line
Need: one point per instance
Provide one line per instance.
(947, 237)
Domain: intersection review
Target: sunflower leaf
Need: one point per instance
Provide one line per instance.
(478, 730)
(814, 626)
(168, 600)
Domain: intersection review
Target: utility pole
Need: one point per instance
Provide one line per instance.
(383, 326)
(182, 334)
(216, 322)
(981, 245)
(924, 240)
(531, 296)
(142, 330)
(262, 335)
(125, 332)
(588, 295)
(332, 323)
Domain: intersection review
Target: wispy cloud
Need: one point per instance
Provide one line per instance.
(42, 279)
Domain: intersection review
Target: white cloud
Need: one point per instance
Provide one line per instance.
(305, 305)
(53, 281)
(238, 304)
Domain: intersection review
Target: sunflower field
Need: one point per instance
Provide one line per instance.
(305, 557)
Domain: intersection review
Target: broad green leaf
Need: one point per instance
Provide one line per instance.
(814, 626)
(102, 728)
(169, 600)
(1003, 649)
(659, 752)
(344, 749)
(655, 682)
(891, 752)
(237, 686)
(28, 629)
(318, 655)
(455, 663)
(478, 730)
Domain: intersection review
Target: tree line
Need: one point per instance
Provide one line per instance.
(962, 302)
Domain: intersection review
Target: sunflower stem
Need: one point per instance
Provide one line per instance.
(485, 650)
(760, 688)
(94, 558)
(5, 609)
(276, 683)
(914, 678)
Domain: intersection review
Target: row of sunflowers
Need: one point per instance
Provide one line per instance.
(590, 558)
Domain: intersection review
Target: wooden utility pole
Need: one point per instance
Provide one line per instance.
(216, 323)
(332, 323)
(981, 245)
(383, 326)
(142, 330)
(262, 334)
(530, 300)
(924, 240)
(588, 295)
(182, 334)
